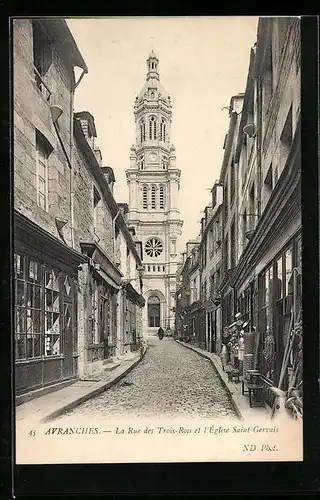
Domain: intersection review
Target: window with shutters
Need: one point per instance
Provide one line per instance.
(162, 194)
(145, 197)
(153, 197)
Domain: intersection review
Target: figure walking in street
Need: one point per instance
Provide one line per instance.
(160, 333)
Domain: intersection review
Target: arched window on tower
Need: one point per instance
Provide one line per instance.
(162, 129)
(153, 197)
(142, 131)
(141, 163)
(162, 197)
(145, 197)
(164, 132)
(152, 128)
(155, 129)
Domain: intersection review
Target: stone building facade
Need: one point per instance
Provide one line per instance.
(67, 282)
(153, 181)
(211, 268)
(261, 210)
(268, 275)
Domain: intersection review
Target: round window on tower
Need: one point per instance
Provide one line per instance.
(153, 247)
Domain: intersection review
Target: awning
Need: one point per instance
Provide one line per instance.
(107, 279)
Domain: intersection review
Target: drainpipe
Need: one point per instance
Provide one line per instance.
(114, 230)
(71, 145)
(259, 141)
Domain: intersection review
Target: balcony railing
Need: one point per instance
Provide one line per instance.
(44, 89)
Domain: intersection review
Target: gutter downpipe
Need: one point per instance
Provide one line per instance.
(259, 140)
(71, 145)
(114, 231)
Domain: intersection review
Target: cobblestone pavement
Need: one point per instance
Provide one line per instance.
(170, 380)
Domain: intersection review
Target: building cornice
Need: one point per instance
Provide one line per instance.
(54, 247)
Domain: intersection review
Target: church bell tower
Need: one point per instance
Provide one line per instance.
(154, 182)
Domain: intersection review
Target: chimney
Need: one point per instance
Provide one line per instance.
(109, 176)
(98, 155)
(124, 207)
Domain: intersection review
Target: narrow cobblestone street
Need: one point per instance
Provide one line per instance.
(170, 380)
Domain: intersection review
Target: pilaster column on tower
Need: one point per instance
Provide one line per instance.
(173, 194)
(133, 157)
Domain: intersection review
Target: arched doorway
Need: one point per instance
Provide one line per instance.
(153, 311)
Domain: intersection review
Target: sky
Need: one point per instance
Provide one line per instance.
(203, 62)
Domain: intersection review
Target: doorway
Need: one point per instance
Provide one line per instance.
(153, 311)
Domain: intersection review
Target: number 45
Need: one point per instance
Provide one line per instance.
(32, 432)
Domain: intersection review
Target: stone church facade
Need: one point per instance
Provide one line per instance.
(154, 181)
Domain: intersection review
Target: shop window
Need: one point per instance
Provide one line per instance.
(266, 303)
(279, 279)
(94, 317)
(52, 313)
(288, 269)
(38, 293)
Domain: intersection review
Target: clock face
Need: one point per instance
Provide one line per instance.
(152, 157)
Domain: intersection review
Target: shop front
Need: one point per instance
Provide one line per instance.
(132, 306)
(45, 308)
(100, 282)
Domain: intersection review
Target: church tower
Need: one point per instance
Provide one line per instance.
(154, 182)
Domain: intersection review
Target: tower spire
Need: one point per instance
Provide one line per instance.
(152, 63)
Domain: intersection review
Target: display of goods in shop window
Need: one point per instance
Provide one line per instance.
(248, 342)
(247, 362)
